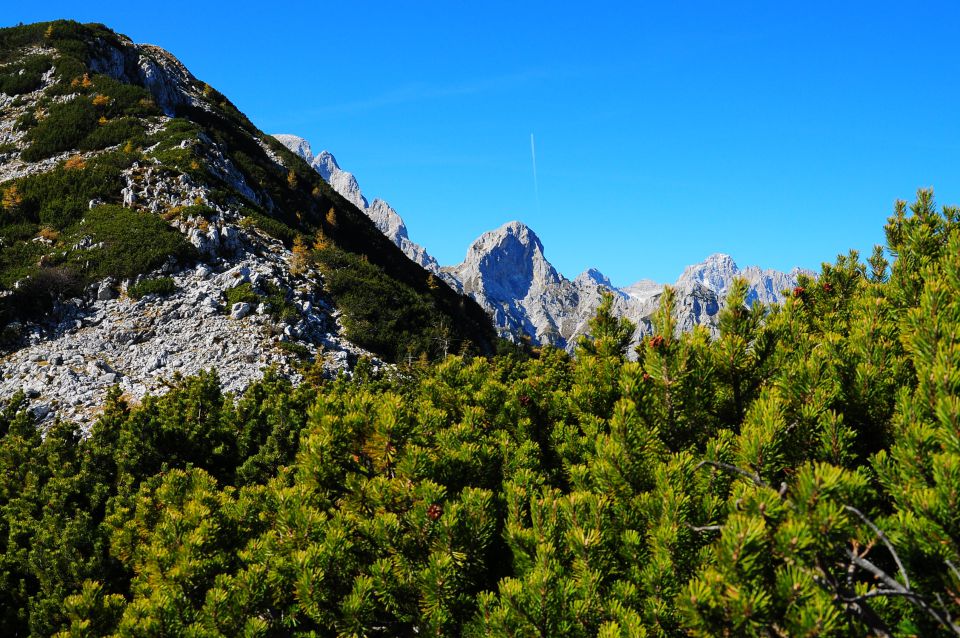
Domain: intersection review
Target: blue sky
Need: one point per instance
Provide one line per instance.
(780, 133)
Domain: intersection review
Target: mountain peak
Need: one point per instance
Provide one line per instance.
(715, 272)
(342, 181)
(523, 234)
(594, 276)
(326, 158)
(506, 263)
(297, 145)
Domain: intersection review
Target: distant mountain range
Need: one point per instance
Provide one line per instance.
(507, 272)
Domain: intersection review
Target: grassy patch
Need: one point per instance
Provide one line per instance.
(157, 286)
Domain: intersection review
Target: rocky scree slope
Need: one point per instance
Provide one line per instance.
(506, 271)
(149, 229)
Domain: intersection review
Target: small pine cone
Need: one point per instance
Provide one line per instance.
(434, 512)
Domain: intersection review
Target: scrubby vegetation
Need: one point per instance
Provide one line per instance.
(156, 286)
(16, 79)
(385, 316)
(108, 241)
(269, 294)
(796, 476)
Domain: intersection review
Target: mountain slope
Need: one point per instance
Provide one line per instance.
(118, 165)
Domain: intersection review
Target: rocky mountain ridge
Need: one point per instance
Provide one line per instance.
(506, 271)
(379, 211)
(150, 231)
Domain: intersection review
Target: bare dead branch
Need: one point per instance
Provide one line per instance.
(883, 537)
(753, 478)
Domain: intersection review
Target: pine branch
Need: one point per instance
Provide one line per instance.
(953, 568)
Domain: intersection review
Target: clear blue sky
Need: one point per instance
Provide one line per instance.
(779, 133)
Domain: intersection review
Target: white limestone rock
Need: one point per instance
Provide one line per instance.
(297, 145)
(342, 181)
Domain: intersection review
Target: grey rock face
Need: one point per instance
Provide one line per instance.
(342, 181)
(297, 145)
(93, 344)
(105, 290)
(239, 310)
(506, 271)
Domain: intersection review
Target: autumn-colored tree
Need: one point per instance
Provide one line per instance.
(300, 255)
(320, 240)
(12, 199)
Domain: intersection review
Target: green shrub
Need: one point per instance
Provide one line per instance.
(274, 298)
(18, 260)
(272, 227)
(26, 76)
(156, 286)
(68, 69)
(59, 197)
(296, 349)
(25, 122)
(197, 210)
(62, 130)
(133, 242)
(125, 99)
(241, 293)
(127, 129)
(39, 290)
(379, 312)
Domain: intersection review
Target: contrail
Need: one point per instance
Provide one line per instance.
(533, 156)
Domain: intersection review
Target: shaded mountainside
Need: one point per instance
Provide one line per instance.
(117, 164)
